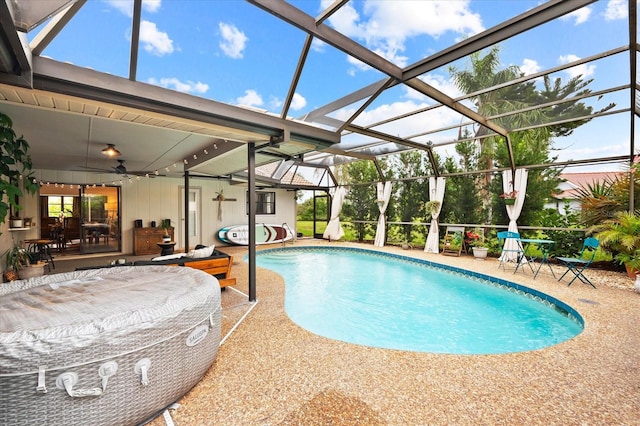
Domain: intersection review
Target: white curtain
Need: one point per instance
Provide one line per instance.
(519, 184)
(384, 194)
(334, 229)
(436, 193)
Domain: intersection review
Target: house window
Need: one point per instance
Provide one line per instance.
(57, 205)
(265, 202)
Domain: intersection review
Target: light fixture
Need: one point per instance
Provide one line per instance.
(111, 151)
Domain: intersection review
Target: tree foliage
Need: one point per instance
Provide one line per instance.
(360, 204)
(472, 186)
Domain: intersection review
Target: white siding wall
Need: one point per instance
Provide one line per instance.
(159, 198)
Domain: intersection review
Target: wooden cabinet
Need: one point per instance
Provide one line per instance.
(145, 240)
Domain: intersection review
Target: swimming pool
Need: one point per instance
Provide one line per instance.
(396, 302)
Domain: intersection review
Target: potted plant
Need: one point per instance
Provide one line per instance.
(509, 197)
(166, 226)
(479, 249)
(21, 265)
(621, 236)
(15, 169)
(432, 206)
(16, 222)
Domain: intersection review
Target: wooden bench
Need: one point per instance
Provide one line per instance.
(215, 267)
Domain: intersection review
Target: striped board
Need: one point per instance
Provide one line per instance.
(265, 234)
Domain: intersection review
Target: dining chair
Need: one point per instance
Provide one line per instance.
(577, 265)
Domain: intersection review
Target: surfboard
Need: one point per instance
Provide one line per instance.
(265, 234)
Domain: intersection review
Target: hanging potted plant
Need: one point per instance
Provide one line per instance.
(432, 206)
(509, 197)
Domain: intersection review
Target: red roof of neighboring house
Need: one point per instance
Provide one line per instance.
(289, 177)
(574, 181)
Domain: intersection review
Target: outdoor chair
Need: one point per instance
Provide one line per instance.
(453, 241)
(511, 253)
(577, 265)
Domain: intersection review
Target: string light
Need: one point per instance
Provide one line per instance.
(120, 182)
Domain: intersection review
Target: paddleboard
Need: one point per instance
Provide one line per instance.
(265, 234)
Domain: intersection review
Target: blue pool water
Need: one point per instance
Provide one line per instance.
(388, 301)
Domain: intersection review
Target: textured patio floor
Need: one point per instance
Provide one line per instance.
(272, 372)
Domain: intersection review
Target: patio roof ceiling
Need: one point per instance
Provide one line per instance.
(69, 113)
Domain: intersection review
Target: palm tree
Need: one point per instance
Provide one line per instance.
(509, 106)
(485, 73)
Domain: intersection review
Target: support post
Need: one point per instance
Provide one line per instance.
(251, 166)
(186, 211)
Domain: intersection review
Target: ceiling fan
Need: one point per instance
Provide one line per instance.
(120, 169)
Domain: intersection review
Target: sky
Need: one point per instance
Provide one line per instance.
(233, 52)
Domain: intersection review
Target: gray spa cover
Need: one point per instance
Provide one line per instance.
(43, 319)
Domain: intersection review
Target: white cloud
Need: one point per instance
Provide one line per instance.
(577, 150)
(413, 124)
(175, 84)
(530, 66)
(233, 40)
(298, 102)
(616, 9)
(585, 70)
(436, 81)
(580, 16)
(356, 65)
(317, 45)
(275, 103)
(250, 98)
(151, 5)
(126, 6)
(153, 40)
(379, 30)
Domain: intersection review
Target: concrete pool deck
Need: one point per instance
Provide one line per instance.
(270, 371)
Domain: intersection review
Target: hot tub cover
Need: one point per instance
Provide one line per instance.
(65, 323)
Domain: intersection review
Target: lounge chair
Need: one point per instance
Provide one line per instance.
(580, 263)
(453, 241)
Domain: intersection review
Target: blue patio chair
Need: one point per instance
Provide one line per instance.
(577, 265)
(507, 254)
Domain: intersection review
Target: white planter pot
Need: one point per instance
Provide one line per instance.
(480, 253)
(31, 271)
(636, 286)
(17, 223)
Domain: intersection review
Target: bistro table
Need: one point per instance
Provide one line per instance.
(40, 249)
(545, 248)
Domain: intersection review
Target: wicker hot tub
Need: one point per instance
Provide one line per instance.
(111, 346)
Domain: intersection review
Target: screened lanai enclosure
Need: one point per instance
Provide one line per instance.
(281, 89)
